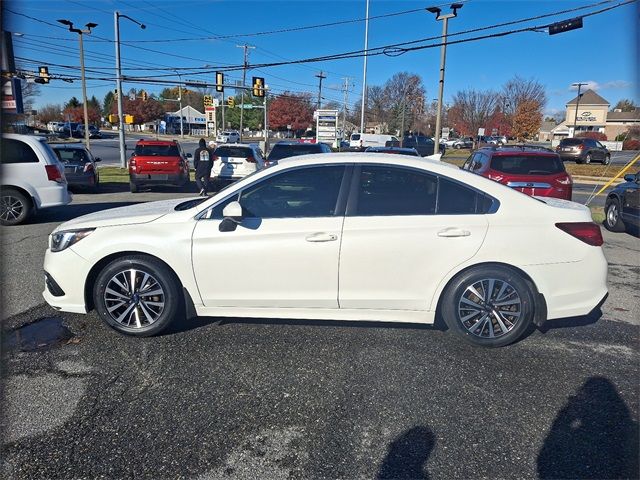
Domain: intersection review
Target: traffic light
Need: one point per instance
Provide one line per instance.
(208, 101)
(113, 118)
(258, 86)
(219, 82)
(128, 119)
(231, 102)
(145, 96)
(43, 75)
(565, 26)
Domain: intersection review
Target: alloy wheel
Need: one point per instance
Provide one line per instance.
(11, 208)
(612, 214)
(134, 298)
(489, 308)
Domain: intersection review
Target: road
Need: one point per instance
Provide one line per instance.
(236, 398)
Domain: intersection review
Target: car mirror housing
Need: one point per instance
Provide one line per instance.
(233, 210)
(630, 177)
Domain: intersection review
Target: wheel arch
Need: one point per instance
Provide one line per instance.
(540, 304)
(24, 191)
(103, 262)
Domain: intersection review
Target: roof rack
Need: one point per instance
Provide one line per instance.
(522, 147)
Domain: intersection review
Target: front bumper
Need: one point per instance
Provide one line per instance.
(69, 272)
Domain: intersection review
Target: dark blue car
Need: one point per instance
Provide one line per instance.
(622, 208)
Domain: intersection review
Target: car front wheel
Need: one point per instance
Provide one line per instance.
(607, 160)
(137, 295)
(489, 306)
(15, 207)
(612, 220)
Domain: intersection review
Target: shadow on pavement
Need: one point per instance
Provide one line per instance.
(71, 211)
(593, 436)
(368, 324)
(408, 455)
(569, 322)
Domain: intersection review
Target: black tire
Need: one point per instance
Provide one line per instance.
(587, 159)
(612, 220)
(133, 187)
(607, 160)
(15, 207)
(457, 147)
(516, 289)
(161, 279)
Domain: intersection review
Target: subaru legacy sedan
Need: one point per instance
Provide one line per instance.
(342, 237)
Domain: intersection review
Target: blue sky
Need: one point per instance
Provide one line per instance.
(602, 52)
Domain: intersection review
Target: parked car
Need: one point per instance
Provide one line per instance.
(228, 136)
(55, 127)
(495, 140)
(234, 161)
(394, 150)
(79, 165)
(464, 142)
(158, 162)
(32, 178)
(583, 150)
(296, 240)
(94, 132)
(288, 149)
(360, 141)
(448, 142)
(622, 207)
(424, 145)
(70, 129)
(531, 170)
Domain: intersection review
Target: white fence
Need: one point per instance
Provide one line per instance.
(612, 146)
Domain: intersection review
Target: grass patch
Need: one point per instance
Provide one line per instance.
(597, 213)
(113, 175)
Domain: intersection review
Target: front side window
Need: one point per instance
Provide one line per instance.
(15, 151)
(303, 192)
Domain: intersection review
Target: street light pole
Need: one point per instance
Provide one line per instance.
(443, 57)
(364, 72)
(123, 146)
(575, 118)
(81, 32)
(244, 79)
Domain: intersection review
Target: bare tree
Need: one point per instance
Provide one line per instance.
(29, 93)
(471, 109)
(405, 99)
(50, 112)
(518, 90)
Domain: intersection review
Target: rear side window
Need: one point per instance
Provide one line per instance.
(456, 199)
(528, 164)
(15, 151)
(570, 142)
(233, 152)
(355, 136)
(157, 150)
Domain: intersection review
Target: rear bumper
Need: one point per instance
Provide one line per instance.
(158, 178)
(55, 195)
(570, 156)
(75, 180)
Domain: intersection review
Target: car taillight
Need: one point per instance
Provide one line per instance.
(132, 163)
(564, 180)
(251, 160)
(588, 232)
(54, 174)
(497, 178)
(88, 167)
(580, 147)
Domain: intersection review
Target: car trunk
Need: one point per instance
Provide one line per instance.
(233, 162)
(157, 165)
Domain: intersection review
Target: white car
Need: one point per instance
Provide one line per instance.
(234, 161)
(229, 136)
(32, 178)
(337, 236)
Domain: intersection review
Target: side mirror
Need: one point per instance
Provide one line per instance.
(630, 177)
(189, 155)
(97, 159)
(234, 211)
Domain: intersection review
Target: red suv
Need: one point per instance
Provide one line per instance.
(532, 170)
(158, 162)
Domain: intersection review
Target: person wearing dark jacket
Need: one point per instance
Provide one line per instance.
(203, 162)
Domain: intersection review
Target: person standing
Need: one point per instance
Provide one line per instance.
(203, 162)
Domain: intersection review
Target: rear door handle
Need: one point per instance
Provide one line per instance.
(454, 232)
(321, 237)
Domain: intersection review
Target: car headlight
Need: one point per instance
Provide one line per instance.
(63, 239)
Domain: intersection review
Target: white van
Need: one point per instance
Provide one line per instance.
(360, 141)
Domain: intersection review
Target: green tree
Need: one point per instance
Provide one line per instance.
(72, 103)
(625, 105)
(93, 102)
(107, 103)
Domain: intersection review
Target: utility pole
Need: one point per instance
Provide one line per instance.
(244, 79)
(266, 128)
(320, 76)
(345, 92)
(443, 57)
(80, 33)
(364, 73)
(575, 118)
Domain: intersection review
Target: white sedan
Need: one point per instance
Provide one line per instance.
(341, 236)
(228, 137)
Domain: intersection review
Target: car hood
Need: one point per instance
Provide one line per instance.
(129, 215)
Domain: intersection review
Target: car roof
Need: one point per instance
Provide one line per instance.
(393, 149)
(143, 141)
(519, 149)
(71, 146)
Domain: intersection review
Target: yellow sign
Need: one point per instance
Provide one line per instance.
(113, 118)
(128, 119)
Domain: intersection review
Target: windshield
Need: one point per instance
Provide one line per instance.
(283, 151)
(157, 150)
(528, 164)
(71, 155)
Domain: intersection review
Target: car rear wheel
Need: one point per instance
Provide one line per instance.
(489, 306)
(457, 146)
(137, 295)
(15, 207)
(587, 159)
(612, 220)
(133, 187)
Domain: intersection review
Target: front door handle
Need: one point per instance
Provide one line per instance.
(321, 237)
(454, 232)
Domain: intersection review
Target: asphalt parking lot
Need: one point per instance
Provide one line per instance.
(231, 398)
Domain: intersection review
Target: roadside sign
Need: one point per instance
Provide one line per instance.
(494, 131)
(247, 106)
(326, 126)
(481, 131)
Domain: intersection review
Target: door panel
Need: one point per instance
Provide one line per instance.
(398, 262)
(268, 263)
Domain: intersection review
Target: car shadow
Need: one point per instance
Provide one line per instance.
(593, 436)
(570, 322)
(408, 454)
(73, 210)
